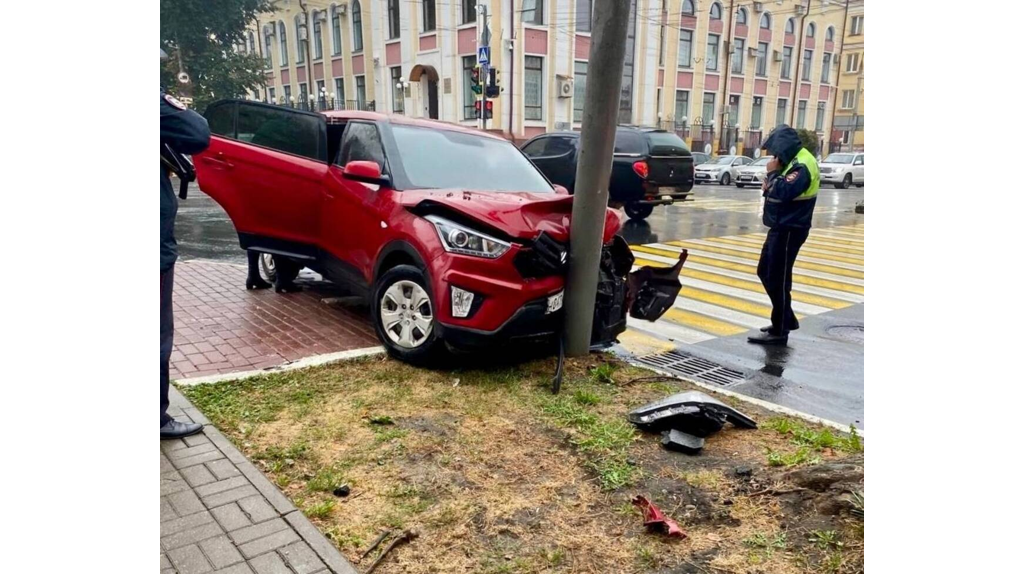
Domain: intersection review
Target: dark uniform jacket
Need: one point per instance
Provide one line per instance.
(781, 189)
(186, 132)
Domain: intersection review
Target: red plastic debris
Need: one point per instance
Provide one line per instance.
(655, 519)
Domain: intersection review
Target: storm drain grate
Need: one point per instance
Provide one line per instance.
(684, 364)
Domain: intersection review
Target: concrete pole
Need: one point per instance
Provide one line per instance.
(601, 106)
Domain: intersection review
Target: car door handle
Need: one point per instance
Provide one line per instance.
(219, 161)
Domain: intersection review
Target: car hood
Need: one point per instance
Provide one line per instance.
(518, 215)
(710, 167)
(753, 169)
(834, 165)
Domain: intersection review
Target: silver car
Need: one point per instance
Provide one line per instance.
(722, 169)
(754, 173)
(843, 169)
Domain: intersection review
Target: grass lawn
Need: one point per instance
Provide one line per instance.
(498, 475)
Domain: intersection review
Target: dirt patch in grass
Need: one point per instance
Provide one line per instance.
(498, 475)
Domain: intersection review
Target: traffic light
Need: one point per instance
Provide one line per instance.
(475, 83)
(488, 106)
(492, 86)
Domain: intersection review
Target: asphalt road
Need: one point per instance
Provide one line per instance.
(820, 372)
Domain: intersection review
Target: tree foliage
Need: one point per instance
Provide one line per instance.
(202, 34)
(809, 139)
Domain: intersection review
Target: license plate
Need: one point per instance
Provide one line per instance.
(555, 302)
(665, 190)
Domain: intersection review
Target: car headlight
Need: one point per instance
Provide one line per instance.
(458, 238)
(838, 170)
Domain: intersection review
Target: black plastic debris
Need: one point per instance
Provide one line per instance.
(654, 289)
(342, 491)
(681, 442)
(692, 412)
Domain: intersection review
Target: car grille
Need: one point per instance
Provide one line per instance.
(544, 256)
(826, 170)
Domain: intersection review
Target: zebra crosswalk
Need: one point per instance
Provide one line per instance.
(742, 205)
(722, 295)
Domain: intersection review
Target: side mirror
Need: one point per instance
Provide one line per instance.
(365, 171)
(561, 189)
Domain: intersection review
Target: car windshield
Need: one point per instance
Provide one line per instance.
(839, 158)
(439, 159)
(724, 160)
(762, 160)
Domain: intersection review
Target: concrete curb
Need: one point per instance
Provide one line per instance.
(314, 361)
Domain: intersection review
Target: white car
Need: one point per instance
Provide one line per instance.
(754, 173)
(843, 170)
(722, 169)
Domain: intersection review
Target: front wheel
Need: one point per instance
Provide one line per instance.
(403, 315)
(726, 179)
(638, 210)
(273, 265)
(847, 182)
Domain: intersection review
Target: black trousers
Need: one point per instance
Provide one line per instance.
(166, 339)
(776, 272)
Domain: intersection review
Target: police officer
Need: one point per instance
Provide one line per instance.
(790, 191)
(186, 132)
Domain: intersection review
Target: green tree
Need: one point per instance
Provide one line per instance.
(200, 35)
(809, 139)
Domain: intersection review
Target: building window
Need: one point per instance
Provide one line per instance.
(830, 34)
(734, 111)
(283, 33)
(469, 13)
(826, 66)
(579, 90)
(272, 95)
(780, 112)
(533, 85)
(335, 31)
(852, 63)
(361, 92)
(791, 26)
(741, 17)
(429, 15)
(394, 20)
(762, 59)
(357, 27)
(533, 12)
(584, 15)
(688, 8)
(252, 43)
(801, 113)
(708, 112)
(716, 11)
(397, 95)
(737, 56)
(711, 59)
(288, 99)
(663, 33)
(339, 93)
(787, 62)
(805, 74)
(811, 29)
(848, 99)
(755, 113)
(468, 98)
(766, 21)
(318, 37)
(300, 44)
(304, 93)
(268, 36)
(682, 107)
(321, 93)
(819, 117)
(685, 48)
(856, 25)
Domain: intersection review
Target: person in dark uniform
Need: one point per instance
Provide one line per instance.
(254, 281)
(790, 191)
(186, 132)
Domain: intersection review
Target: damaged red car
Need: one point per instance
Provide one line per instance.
(453, 237)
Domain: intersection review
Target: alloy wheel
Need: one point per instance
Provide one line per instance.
(406, 314)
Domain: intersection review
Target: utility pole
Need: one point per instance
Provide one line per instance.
(600, 109)
(856, 110)
(483, 59)
(839, 72)
(310, 84)
(723, 139)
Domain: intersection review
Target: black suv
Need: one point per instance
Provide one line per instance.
(650, 167)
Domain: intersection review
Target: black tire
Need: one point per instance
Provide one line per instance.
(860, 185)
(847, 182)
(638, 210)
(740, 185)
(431, 348)
(726, 179)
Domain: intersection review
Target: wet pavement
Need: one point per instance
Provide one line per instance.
(820, 372)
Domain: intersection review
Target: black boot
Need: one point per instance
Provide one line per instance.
(175, 429)
(286, 286)
(256, 283)
(769, 338)
(792, 327)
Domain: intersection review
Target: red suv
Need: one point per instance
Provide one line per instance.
(452, 235)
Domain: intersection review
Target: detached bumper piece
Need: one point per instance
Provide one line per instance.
(687, 419)
(612, 293)
(655, 289)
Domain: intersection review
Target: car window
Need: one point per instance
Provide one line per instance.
(666, 143)
(742, 160)
(725, 160)
(628, 142)
(221, 118)
(361, 142)
(558, 146)
(536, 147)
(279, 129)
(839, 158)
(859, 160)
(428, 155)
(761, 160)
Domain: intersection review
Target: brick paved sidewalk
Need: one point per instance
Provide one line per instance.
(219, 514)
(221, 328)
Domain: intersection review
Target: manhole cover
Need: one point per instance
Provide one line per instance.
(687, 365)
(853, 333)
